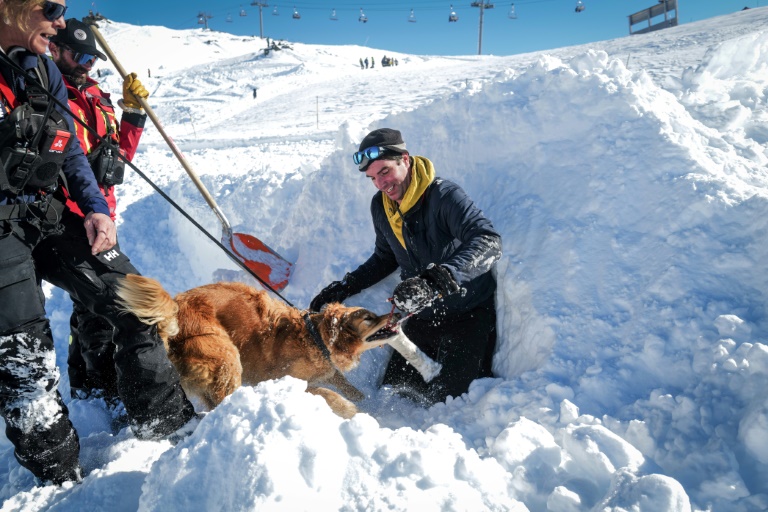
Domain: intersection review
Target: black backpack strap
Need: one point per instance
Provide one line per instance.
(42, 74)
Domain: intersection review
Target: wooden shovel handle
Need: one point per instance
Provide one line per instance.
(176, 151)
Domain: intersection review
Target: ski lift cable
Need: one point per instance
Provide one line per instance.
(396, 6)
(354, 5)
(343, 9)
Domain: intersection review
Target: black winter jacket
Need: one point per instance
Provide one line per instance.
(81, 182)
(444, 227)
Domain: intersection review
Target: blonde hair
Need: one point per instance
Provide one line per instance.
(18, 12)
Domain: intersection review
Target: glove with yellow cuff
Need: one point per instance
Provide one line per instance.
(133, 89)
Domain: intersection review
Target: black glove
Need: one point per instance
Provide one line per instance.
(441, 279)
(337, 291)
(417, 293)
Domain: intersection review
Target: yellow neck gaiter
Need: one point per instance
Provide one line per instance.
(422, 175)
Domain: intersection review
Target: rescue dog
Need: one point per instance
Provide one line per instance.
(223, 335)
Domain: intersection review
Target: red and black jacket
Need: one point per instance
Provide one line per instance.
(76, 169)
(94, 108)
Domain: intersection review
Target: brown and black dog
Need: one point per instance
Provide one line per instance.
(222, 335)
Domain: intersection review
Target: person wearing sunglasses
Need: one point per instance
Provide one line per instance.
(32, 249)
(445, 248)
(90, 363)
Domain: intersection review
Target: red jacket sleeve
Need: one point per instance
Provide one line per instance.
(131, 128)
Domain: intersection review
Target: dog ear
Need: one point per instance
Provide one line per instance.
(334, 310)
(281, 325)
(334, 314)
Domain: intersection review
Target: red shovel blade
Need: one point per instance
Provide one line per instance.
(271, 268)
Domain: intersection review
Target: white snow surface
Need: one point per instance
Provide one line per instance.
(628, 180)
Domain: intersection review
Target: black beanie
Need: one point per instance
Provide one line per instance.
(383, 137)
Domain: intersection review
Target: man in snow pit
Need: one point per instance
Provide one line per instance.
(445, 248)
(90, 362)
(33, 248)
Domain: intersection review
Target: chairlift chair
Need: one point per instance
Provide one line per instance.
(242, 11)
(229, 18)
(333, 15)
(453, 16)
(579, 6)
(200, 19)
(412, 17)
(296, 14)
(274, 12)
(512, 15)
(363, 18)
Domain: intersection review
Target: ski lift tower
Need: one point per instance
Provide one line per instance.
(483, 6)
(202, 19)
(261, 5)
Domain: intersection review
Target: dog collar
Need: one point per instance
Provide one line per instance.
(316, 336)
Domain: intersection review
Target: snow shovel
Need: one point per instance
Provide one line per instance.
(271, 268)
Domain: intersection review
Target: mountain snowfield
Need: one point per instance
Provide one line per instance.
(628, 180)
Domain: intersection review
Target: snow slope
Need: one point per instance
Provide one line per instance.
(628, 179)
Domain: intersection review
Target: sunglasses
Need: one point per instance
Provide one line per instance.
(53, 11)
(80, 58)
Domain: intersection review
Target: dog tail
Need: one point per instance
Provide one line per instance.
(146, 298)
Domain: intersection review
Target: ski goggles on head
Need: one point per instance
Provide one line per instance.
(53, 11)
(364, 158)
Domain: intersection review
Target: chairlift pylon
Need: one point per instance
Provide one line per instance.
(363, 18)
(412, 17)
(202, 19)
(97, 16)
(333, 15)
(579, 6)
(512, 15)
(453, 17)
(296, 14)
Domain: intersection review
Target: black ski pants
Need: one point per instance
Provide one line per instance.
(90, 361)
(147, 382)
(37, 421)
(463, 343)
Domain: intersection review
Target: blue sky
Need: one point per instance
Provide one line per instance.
(540, 24)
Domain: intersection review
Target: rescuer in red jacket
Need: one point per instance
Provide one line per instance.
(90, 361)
